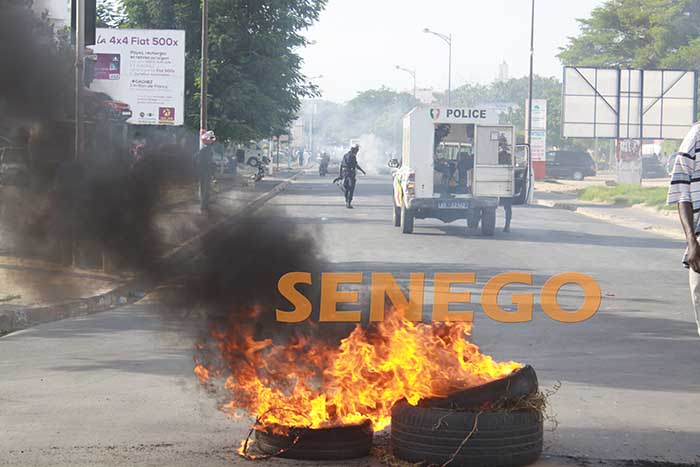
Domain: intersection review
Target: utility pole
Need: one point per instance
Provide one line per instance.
(532, 62)
(413, 75)
(448, 40)
(79, 49)
(203, 118)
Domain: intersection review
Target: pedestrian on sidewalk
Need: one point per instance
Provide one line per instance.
(685, 191)
(348, 174)
(203, 164)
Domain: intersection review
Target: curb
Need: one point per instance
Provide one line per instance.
(132, 291)
(644, 227)
(557, 205)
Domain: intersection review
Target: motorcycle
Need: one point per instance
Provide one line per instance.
(261, 167)
(323, 167)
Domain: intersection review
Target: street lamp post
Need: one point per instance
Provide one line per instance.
(204, 78)
(448, 39)
(311, 127)
(413, 74)
(532, 59)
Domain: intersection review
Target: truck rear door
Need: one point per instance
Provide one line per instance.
(494, 161)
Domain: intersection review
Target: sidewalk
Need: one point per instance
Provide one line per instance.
(562, 194)
(34, 291)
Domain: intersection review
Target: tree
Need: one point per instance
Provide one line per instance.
(110, 14)
(255, 80)
(638, 34)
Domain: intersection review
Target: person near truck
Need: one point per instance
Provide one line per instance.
(684, 191)
(203, 164)
(348, 174)
(505, 157)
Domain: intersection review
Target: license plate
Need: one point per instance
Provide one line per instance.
(452, 205)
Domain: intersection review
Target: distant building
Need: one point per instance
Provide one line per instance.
(503, 72)
(58, 11)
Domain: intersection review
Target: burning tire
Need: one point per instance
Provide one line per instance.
(520, 383)
(488, 439)
(346, 442)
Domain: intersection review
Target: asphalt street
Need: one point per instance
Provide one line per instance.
(117, 388)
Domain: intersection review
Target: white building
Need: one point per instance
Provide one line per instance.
(503, 72)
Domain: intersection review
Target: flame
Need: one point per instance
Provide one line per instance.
(312, 384)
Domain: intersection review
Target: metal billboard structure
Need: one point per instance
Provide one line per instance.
(628, 104)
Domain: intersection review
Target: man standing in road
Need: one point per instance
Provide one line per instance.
(685, 191)
(203, 164)
(348, 174)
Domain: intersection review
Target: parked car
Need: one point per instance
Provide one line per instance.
(14, 168)
(101, 106)
(652, 168)
(570, 164)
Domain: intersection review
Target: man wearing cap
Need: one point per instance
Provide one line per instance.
(203, 165)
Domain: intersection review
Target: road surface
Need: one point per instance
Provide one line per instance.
(117, 388)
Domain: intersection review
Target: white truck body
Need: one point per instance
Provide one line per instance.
(456, 164)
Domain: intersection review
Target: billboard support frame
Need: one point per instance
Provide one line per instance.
(632, 97)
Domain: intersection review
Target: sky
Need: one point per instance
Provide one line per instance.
(360, 42)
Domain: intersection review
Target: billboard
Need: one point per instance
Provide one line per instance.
(145, 69)
(628, 104)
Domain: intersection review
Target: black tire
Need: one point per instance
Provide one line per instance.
(347, 442)
(521, 383)
(578, 175)
(488, 222)
(396, 216)
(474, 218)
(253, 162)
(501, 439)
(406, 221)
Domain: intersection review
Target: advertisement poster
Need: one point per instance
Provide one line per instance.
(538, 143)
(145, 69)
(629, 162)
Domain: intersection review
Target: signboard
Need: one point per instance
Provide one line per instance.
(538, 141)
(463, 116)
(145, 69)
(640, 104)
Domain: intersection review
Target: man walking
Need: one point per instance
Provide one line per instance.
(203, 164)
(685, 191)
(348, 174)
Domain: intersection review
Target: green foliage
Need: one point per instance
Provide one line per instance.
(255, 79)
(515, 91)
(638, 34)
(627, 195)
(110, 14)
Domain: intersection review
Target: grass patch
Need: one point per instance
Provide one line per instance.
(627, 195)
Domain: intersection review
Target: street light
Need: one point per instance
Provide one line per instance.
(448, 39)
(532, 59)
(313, 113)
(413, 74)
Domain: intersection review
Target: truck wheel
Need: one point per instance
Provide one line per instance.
(578, 175)
(473, 219)
(488, 222)
(397, 216)
(406, 221)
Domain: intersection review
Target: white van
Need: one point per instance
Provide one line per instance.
(456, 164)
